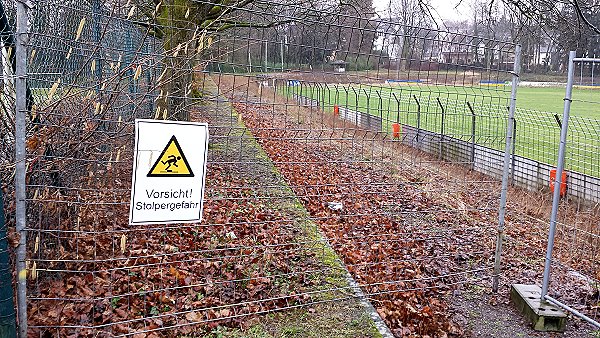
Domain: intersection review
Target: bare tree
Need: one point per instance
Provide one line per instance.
(411, 16)
(558, 25)
(186, 29)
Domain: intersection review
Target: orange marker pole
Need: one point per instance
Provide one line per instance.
(563, 183)
(396, 130)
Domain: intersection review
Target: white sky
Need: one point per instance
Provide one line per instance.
(444, 8)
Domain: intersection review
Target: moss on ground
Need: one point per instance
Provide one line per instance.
(331, 320)
(327, 316)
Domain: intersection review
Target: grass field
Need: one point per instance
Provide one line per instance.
(586, 101)
(480, 113)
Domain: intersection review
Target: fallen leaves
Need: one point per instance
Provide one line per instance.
(393, 254)
(108, 278)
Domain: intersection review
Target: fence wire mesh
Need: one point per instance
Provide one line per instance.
(350, 158)
(7, 170)
(573, 259)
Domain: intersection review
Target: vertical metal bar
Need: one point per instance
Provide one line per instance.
(249, 61)
(504, 191)
(380, 108)
(331, 102)
(418, 118)
(559, 170)
(441, 154)
(388, 119)
(314, 96)
(368, 107)
(324, 91)
(355, 105)
(281, 52)
(299, 96)
(397, 64)
(20, 135)
(346, 104)
(397, 108)
(266, 56)
(321, 97)
(473, 117)
(593, 64)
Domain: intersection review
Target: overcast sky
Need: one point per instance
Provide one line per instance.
(444, 8)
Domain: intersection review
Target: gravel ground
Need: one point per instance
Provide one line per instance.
(481, 315)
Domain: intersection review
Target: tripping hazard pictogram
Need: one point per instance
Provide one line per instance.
(171, 162)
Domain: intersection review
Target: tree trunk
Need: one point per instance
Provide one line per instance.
(178, 62)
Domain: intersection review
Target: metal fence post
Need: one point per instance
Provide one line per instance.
(397, 107)
(7, 306)
(20, 153)
(266, 69)
(299, 95)
(346, 104)
(442, 131)
(505, 172)
(418, 118)
(559, 170)
(380, 107)
(315, 99)
(473, 126)
(355, 105)
(326, 97)
(368, 107)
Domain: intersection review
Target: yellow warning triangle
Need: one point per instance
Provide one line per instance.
(171, 162)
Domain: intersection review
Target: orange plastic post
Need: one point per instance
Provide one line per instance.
(396, 130)
(336, 110)
(563, 183)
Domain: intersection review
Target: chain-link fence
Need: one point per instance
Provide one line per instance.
(353, 174)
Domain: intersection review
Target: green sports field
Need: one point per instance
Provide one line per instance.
(586, 101)
(479, 113)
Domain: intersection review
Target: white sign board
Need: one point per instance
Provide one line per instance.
(169, 170)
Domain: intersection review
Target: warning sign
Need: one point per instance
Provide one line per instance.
(171, 162)
(169, 171)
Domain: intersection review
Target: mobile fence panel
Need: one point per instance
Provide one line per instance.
(571, 269)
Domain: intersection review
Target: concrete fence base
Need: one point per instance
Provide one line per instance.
(524, 172)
